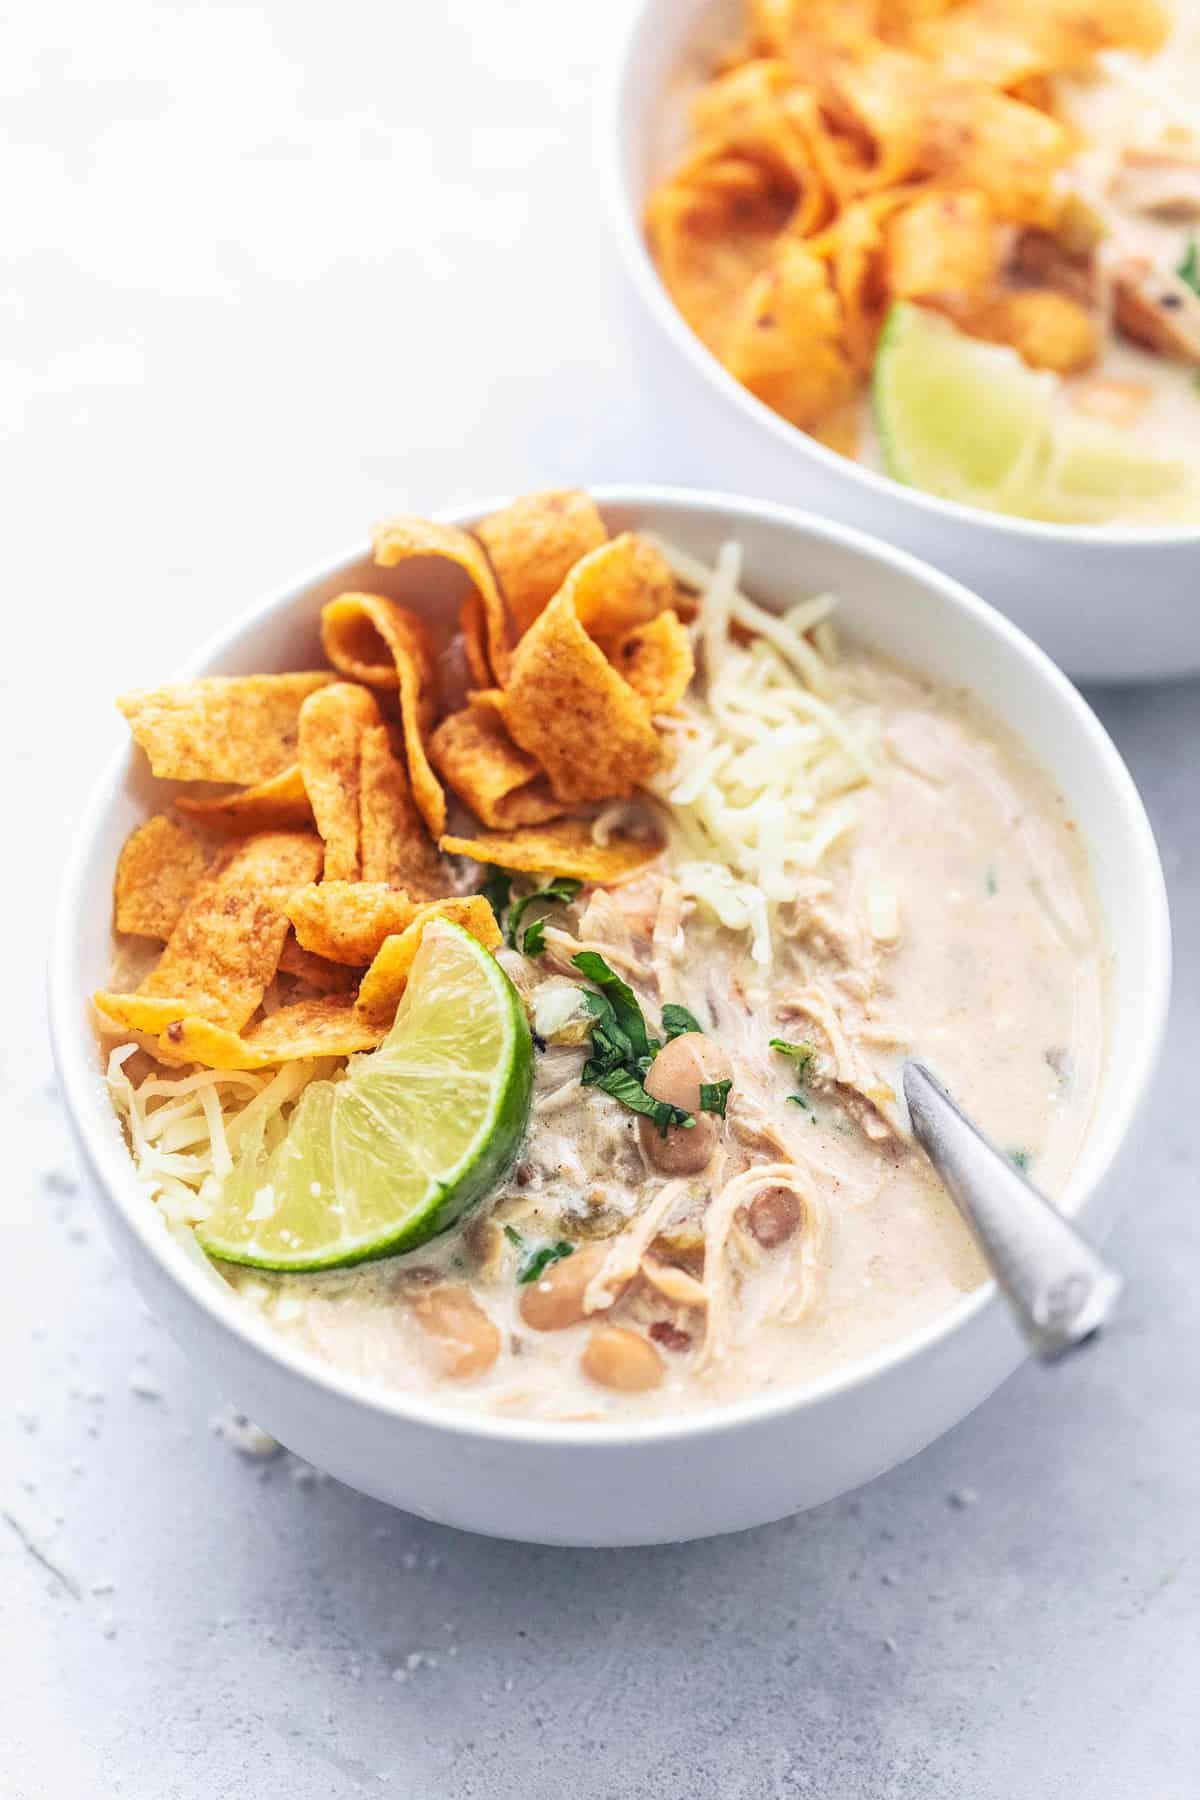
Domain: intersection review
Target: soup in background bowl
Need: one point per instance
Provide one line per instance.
(772, 1259)
(843, 345)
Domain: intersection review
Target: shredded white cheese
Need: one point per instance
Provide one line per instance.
(185, 1131)
(758, 790)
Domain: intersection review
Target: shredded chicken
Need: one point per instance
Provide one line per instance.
(673, 1283)
(850, 1070)
(808, 1259)
(626, 1252)
(558, 1098)
(888, 1037)
(603, 922)
(561, 947)
(1157, 309)
(752, 1125)
(718, 1275)
(667, 939)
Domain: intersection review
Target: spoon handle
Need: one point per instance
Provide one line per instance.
(1061, 1290)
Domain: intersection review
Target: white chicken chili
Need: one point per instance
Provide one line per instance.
(716, 1192)
(958, 242)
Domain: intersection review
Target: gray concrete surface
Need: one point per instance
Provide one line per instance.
(244, 307)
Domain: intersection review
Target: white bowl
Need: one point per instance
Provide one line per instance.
(1108, 603)
(738, 1465)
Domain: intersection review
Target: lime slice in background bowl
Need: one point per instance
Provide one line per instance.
(970, 421)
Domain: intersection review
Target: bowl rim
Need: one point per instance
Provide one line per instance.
(73, 1040)
(626, 226)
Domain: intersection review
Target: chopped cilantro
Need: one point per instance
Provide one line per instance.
(629, 1089)
(1189, 269)
(1020, 1159)
(714, 1095)
(989, 881)
(541, 1260)
(622, 1048)
(677, 1021)
(514, 1237)
(612, 1047)
(800, 1056)
(557, 892)
(622, 1003)
(534, 941)
(497, 891)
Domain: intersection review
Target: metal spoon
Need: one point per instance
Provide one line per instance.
(1060, 1289)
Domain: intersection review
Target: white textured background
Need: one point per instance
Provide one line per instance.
(270, 271)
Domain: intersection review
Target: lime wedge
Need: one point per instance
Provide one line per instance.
(413, 1134)
(1096, 473)
(970, 421)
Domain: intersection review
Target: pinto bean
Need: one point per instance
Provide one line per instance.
(555, 1299)
(675, 1076)
(686, 1149)
(773, 1216)
(616, 1358)
(464, 1340)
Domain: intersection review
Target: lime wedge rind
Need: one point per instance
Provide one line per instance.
(405, 1148)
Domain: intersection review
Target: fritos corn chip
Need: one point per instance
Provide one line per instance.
(713, 229)
(396, 848)
(623, 583)
(330, 1025)
(159, 868)
(566, 705)
(347, 921)
(317, 971)
(876, 97)
(853, 247)
(501, 784)
(752, 112)
(563, 848)
(385, 980)
(788, 343)
(371, 639)
(1005, 42)
(1010, 151)
(224, 728)
(224, 949)
(396, 540)
(942, 244)
(474, 636)
(332, 724)
(775, 26)
(534, 543)
(378, 641)
(274, 805)
(1051, 331)
(656, 660)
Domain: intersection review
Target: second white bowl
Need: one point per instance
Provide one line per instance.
(1107, 603)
